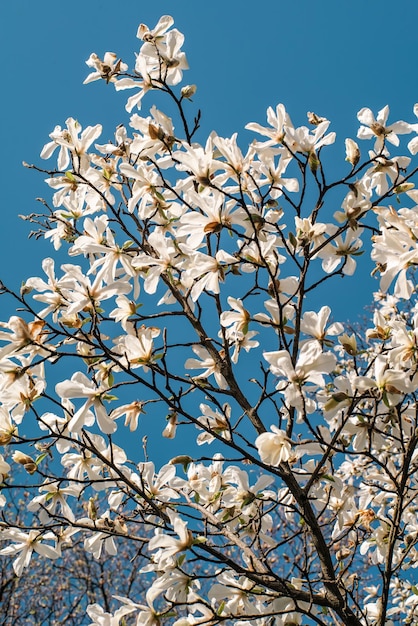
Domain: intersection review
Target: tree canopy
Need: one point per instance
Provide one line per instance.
(177, 300)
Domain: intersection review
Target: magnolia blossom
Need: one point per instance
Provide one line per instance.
(313, 324)
(312, 363)
(274, 448)
(25, 545)
(342, 250)
(108, 68)
(82, 387)
(279, 121)
(376, 127)
(102, 618)
(214, 422)
(168, 546)
(4, 468)
(352, 152)
(137, 347)
(53, 501)
(70, 143)
(208, 364)
(302, 140)
(391, 383)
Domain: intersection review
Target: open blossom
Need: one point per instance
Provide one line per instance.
(279, 122)
(101, 617)
(308, 233)
(50, 293)
(52, 501)
(214, 215)
(274, 447)
(239, 317)
(314, 324)
(208, 271)
(80, 386)
(125, 309)
(376, 127)
(23, 337)
(25, 544)
(131, 412)
(164, 45)
(310, 366)
(342, 249)
(413, 144)
(208, 364)
(146, 183)
(394, 252)
(86, 295)
(71, 144)
(214, 422)
(303, 140)
(107, 69)
(137, 346)
(166, 258)
(157, 485)
(388, 382)
(168, 545)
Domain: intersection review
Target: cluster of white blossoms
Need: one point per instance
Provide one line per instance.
(184, 308)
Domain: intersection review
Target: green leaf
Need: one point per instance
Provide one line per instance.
(40, 458)
(293, 240)
(199, 539)
(221, 608)
(385, 399)
(109, 397)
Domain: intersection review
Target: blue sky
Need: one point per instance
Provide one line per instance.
(331, 56)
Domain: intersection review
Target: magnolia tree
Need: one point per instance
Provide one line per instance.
(183, 312)
(59, 591)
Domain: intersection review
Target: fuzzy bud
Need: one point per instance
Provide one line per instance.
(352, 152)
(25, 460)
(188, 91)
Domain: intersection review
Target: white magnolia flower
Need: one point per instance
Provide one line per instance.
(310, 366)
(376, 127)
(314, 324)
(106, 69)
(208, 364)
(70, 143)
(80, 386)
(168, 546)
(274, 448)
(25, 545)
(102, 618)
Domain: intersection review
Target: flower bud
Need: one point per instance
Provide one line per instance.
(188, 91)
(181, 459)
(313, 161)
(25, 460)
(92, 509)
(349, 343)
(169, 431)
(315, 119)
(352, 152)
(404, 187)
